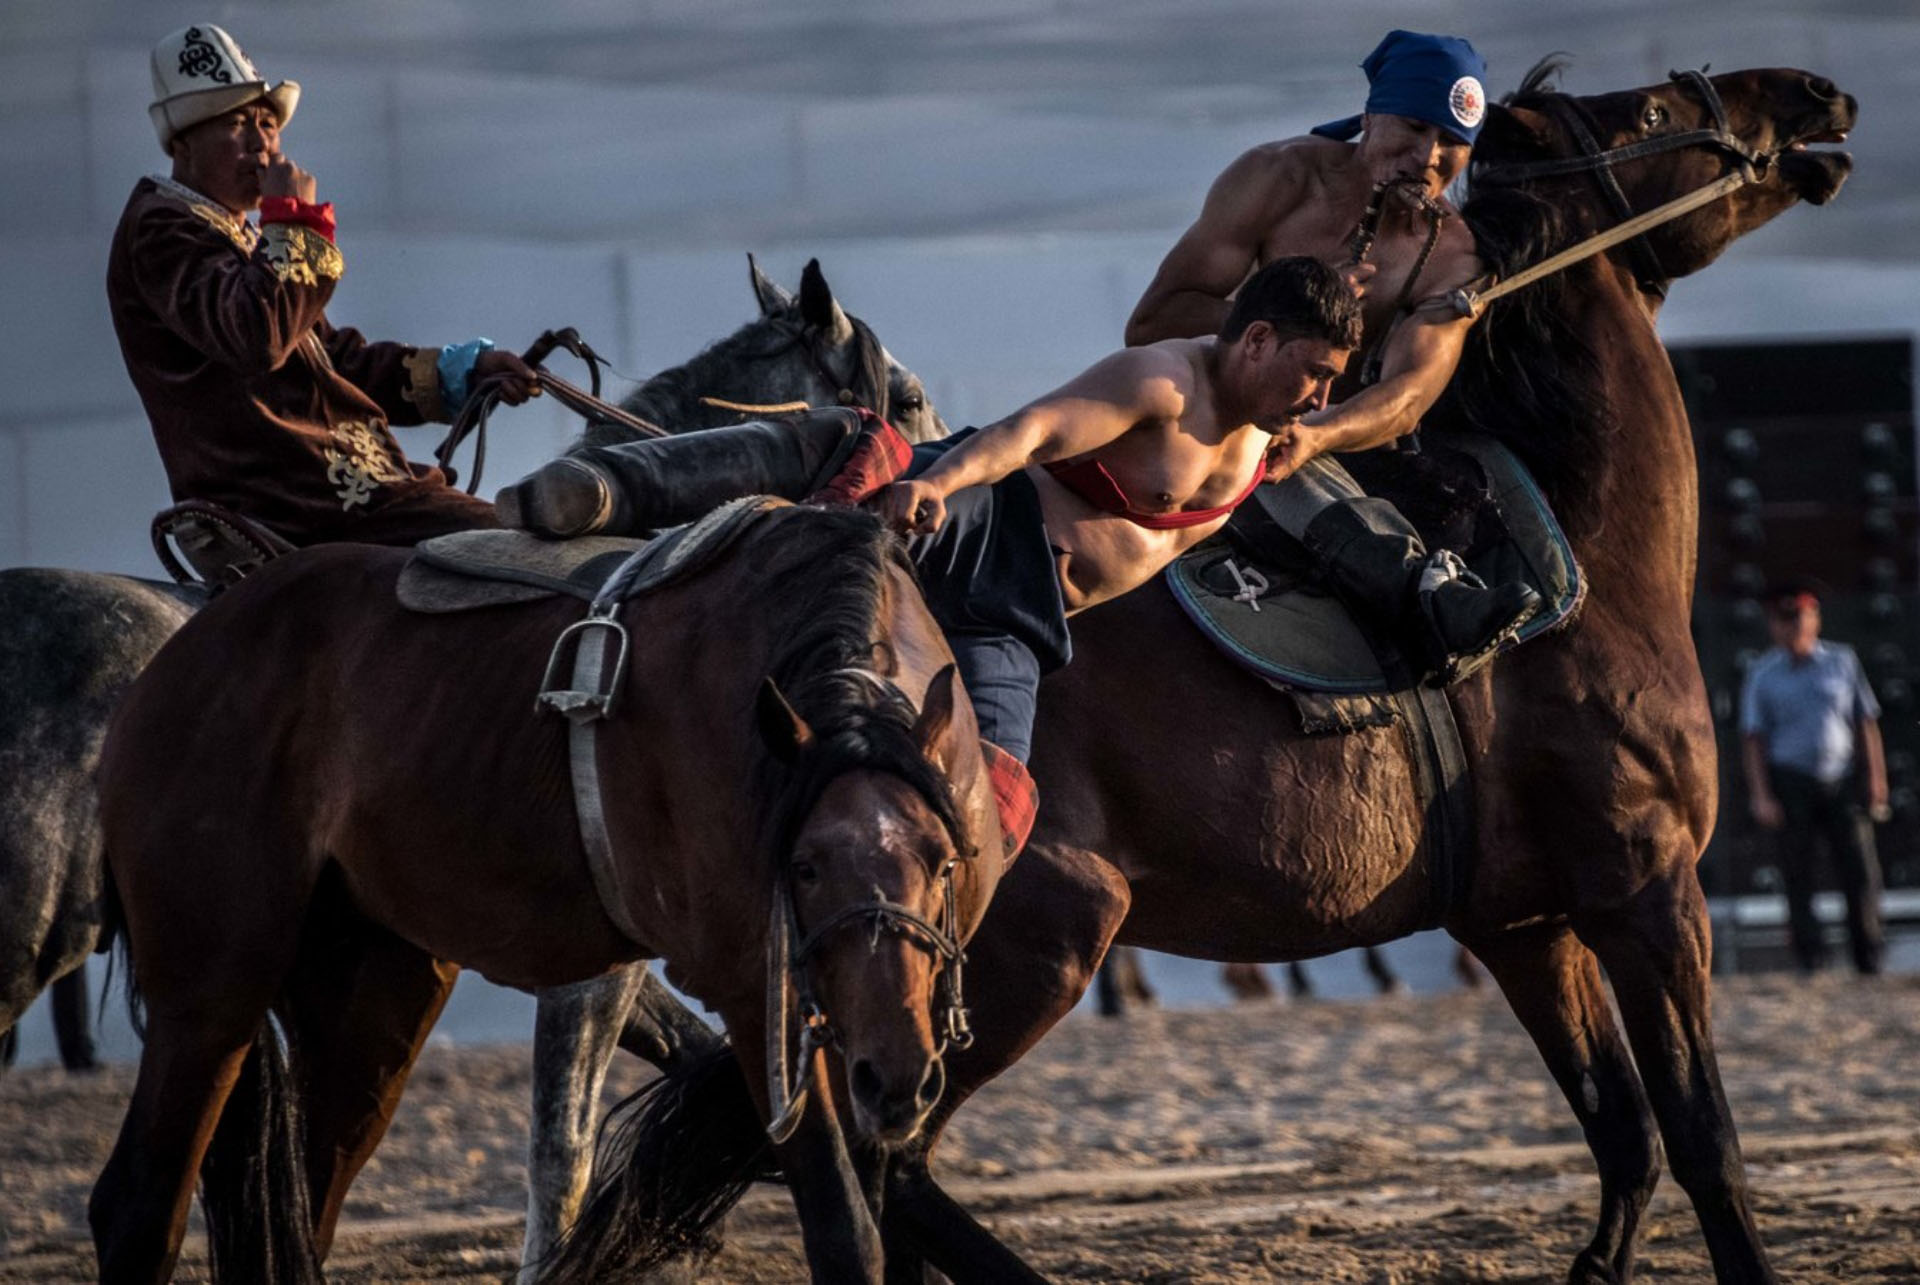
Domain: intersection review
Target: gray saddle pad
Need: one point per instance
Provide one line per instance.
(1291, 631)
(471, 569)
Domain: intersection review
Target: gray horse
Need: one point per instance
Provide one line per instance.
(72, 640)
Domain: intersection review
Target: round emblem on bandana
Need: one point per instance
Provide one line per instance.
(1467, 101)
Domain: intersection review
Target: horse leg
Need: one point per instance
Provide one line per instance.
(360, 1005)
(575, 1031)
(662, 1031)
(836, 1224)
(1246, 982)
(188, 1066)
(1657, 953)
(70, 1021)
(1466, 970)
(1554, 987)
(1052, 918)
(1385, 980)
(1122, 981)
(1299, 984)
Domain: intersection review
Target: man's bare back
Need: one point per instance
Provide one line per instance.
(1306, 196)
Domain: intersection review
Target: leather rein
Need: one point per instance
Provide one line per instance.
(865, 385)
(1750, 166)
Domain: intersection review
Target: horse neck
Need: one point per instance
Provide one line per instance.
(1636, 524)
(672, 398)
(671, 402)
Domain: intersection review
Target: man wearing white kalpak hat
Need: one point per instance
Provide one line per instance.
(1375, 208)
(257, 402)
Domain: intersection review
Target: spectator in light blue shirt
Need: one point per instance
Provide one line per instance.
(1808, 720)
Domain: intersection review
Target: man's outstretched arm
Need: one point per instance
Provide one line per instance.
(1092, 409)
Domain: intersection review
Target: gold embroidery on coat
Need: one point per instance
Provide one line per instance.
(232, 226)
(359, 462)
(298, 254)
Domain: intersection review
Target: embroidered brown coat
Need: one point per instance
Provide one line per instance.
(257, 402)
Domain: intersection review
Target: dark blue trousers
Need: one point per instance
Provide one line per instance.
(990, 581)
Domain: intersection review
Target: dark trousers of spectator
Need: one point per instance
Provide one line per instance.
(1816, 811)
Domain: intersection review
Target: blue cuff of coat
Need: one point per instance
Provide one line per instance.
(456, 371)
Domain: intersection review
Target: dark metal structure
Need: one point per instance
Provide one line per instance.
(1807, 456)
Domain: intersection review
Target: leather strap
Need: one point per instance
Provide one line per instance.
(589, 660)
(1445, 793)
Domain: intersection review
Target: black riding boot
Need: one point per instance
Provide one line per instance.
(666, 481)
(1378, 562)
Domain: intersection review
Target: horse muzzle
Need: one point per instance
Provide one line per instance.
(891, 1104)
(1817, 176)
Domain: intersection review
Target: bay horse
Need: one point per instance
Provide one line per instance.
(1241, 837)
(71, 641)
(318, 804)
(1591, 749)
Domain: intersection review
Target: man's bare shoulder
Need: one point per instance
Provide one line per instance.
(1456, 259)
(1159, 377)
(1298, 163)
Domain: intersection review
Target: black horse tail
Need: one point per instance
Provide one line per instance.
(683, 1151)
(253, 1179)
(112, 942)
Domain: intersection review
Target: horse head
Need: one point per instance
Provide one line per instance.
(882, 888)
(1606, 157)
(803, 349)
(841, 341)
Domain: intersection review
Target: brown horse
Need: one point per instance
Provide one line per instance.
(312, 796)
(1591, 749)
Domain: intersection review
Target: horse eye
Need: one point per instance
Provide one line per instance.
(912, 401)
(1654, 117)
(804, 872)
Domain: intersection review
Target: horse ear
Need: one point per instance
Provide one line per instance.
(772, 298)
(1515, 130)
(818, 307)
(781, 726)
(936, 716)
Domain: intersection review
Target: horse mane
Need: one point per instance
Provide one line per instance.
(1528, 376)
(826, 576)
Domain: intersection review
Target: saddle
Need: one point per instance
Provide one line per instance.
(469, 570)
(1257, 595)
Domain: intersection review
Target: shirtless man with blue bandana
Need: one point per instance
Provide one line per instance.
(1315, 196)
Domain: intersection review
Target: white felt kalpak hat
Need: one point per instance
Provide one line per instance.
(201, 71)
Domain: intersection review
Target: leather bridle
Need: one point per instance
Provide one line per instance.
(1751, 164)
(790, 992)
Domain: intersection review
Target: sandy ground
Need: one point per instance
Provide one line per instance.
(1407, 1139)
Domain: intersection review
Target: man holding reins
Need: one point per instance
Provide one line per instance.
(1376, 209)
(257, 402)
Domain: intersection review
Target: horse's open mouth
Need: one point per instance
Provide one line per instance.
(1816, 177)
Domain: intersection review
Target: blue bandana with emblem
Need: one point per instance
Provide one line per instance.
(1436, 79)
